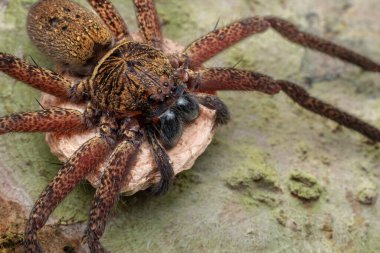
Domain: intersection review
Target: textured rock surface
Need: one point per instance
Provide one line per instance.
(202, 213)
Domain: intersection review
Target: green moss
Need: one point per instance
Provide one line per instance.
(254, 179)
(366, 193)
(253, 172)
(267, 199)
(304, 186)
(185, 180)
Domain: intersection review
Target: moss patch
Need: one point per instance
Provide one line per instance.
(254, 172)
(186, 180)
(255, 179)
(366, 193)
(304, 186)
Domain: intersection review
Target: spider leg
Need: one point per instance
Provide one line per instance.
(111, 17)
(149, 23)
(49, 120)
(88, 156)
(163, 163)
(118, 167)
(37, 77)
(214, 103)
(207, 80)
(302, 97)
(212, 79)
(216, 41)
(293, 34)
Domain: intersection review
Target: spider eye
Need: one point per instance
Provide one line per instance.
(187, 107)
(171, 128)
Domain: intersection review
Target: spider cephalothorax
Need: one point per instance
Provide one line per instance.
(135, 90)
(135, 79)
(132, 77)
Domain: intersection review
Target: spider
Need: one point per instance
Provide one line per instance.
(134, 91)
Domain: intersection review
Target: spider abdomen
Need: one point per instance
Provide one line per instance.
(68, 33)
(132, 78)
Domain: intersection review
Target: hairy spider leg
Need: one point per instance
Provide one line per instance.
(149, 23)
(302, 97)
(293, 34)
(163, 163)
(214, 103)
(216, 41)
(85, 159)
(49, 120)
(111, 17)
(37, 77)
(212, 79)
(116, 173)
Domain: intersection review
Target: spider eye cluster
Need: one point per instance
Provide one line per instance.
(185, 110)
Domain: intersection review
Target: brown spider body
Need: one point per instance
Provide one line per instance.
(136, 92)
(123, 80)
(130, 79)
